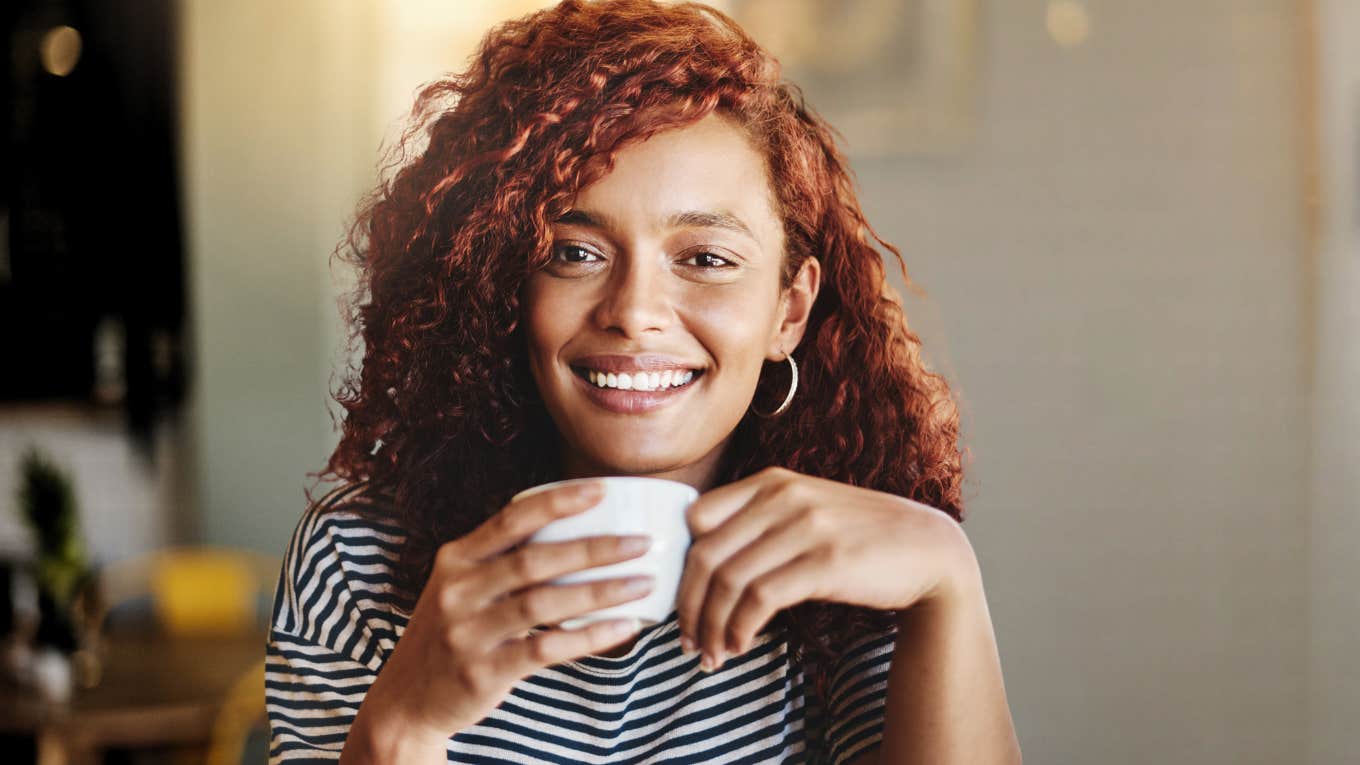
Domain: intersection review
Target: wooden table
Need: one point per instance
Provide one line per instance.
(154, 691)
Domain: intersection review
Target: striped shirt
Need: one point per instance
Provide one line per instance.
(334, 624)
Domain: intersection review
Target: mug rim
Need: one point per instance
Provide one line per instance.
(604, 478)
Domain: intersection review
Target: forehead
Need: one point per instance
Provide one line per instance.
(709, 165)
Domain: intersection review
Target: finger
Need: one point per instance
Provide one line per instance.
(734, 576)
(709, 552)
(519, 520)
(513, 616)
(521, 658)
(768, 594)
(717, 505)
(540, 562)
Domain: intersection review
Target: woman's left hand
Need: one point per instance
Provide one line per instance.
(778, 538)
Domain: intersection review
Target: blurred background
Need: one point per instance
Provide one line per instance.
(1136, 231)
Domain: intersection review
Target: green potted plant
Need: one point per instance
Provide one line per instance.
(61, 568)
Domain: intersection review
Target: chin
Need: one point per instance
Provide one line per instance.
(633, 463)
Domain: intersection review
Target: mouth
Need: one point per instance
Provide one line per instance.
(667, 388)
(639, 381)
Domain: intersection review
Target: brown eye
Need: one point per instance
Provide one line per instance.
(571, 253)
(709, 260)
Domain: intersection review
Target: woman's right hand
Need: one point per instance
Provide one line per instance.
(467, 641)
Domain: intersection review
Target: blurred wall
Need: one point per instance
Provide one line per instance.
(276, 154)
(287, 108)
(1334, 670)
(1120, 287)
(1119, 268)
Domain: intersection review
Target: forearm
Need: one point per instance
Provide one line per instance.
(946, 701)
(377, 737)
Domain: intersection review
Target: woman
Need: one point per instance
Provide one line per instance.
(613, 190)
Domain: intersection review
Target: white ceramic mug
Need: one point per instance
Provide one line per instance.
(654, 507)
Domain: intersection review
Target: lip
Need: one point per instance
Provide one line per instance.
(647, 362)
(634, 401)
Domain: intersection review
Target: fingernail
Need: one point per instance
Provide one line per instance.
(686, 644)
(706, 664)
(633, 545)
(620, 627)
(638, 585)
(590, 490)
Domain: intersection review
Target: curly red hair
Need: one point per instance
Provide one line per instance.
(493, 155)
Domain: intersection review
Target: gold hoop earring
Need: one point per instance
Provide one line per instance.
(793, 386)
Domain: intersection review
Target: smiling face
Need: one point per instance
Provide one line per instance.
(669, 264)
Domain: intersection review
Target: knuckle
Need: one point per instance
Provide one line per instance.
(811, 520)
(533, 604)
(505, 523)
(448, 555)
(540, 649)
(700, 558)
(448, 598)
(758, 595)
(787, 490)
(607, 589)
(602, 548)
(696, 516)
(454, 637)
(725, 581)
(471, 677)
(524, 564)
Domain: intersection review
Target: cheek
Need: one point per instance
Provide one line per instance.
(735, 322)
(547, 321)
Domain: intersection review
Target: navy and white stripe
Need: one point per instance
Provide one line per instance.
(334, 624)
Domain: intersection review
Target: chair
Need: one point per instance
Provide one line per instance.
(242, 711)
(184, 603)
(188, 590)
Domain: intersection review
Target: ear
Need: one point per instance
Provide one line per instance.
(795, 306)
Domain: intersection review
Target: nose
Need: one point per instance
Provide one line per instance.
(635, 299)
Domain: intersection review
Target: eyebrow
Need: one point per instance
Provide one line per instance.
(686, 219)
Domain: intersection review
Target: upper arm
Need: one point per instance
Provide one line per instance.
(322, 655)
(857, 699)
(867, 757)
(311, 696)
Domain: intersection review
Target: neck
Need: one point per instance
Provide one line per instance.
(702, 474)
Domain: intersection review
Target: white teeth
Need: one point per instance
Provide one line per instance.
(644, 381)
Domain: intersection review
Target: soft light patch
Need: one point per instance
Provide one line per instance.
(204, 592)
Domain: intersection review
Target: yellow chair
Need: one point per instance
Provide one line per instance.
(190, 593)
(242, 711)
(192, 590)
